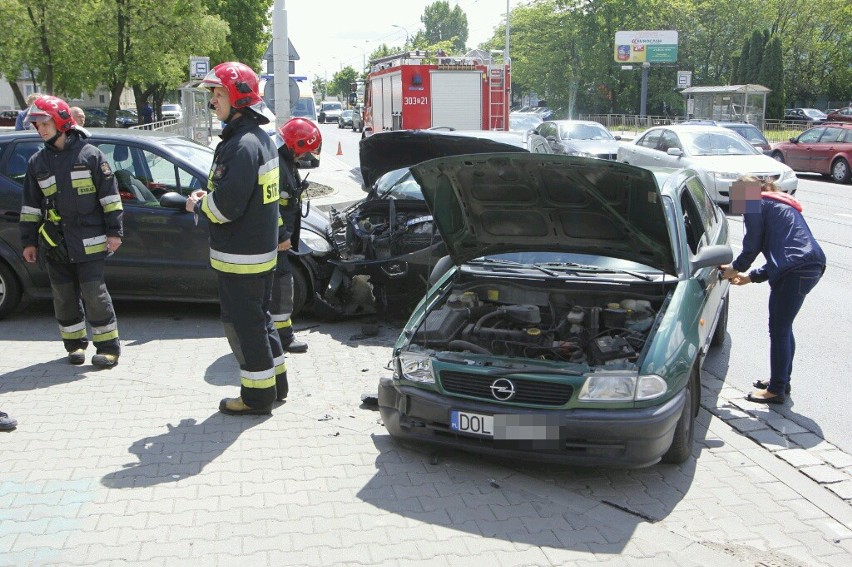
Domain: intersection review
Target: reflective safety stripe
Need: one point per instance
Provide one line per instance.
(208, 207)
(81, 174)
(43, 232)
(30, 214)
(105, 332)
(243, 263)
(111, 203)
(262, 379)
(77, 331)
(48, 186)
(284, 202)
(281, 321)
(280, 365)
(95, 244)
(82, 182)
(280, 221)
(267, 178)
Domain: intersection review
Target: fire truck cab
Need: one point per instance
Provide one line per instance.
(403, 92)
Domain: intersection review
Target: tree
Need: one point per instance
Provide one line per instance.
(339, 85)
(755, 56)
(443, 24)
(249, 25)
(319, 85)
(772, 77)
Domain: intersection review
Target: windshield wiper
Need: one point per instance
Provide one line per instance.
(571, 266)
(512, 265)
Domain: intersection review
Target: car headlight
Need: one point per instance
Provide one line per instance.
(786, 174)
(316, 242)
(621, 388)
(726, 175)
(416, 367)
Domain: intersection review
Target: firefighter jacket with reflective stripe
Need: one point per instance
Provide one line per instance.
(242, 203)
(74, 184)
(290, 199)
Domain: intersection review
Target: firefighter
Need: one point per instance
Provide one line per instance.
(242, 207)
(298, 136)
(71, 216)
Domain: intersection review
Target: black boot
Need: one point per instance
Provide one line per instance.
(281, 387)
(293, 345)
(236, 406)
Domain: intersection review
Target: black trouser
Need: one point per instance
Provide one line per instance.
(282, 299)
(80, 293)
(245, 303)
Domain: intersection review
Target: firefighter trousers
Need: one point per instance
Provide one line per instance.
(245, 303)
(282, 299)
(80, 294)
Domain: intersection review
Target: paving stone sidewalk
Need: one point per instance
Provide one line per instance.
(134, 466)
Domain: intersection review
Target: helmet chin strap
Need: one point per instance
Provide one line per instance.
(230, 116)
(53, 138)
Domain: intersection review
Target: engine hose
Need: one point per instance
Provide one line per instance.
(484, 318)
(465, 345)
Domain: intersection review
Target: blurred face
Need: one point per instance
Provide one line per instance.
(46, 129)
(221, 103)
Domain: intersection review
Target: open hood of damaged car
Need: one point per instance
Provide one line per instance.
(386, 151)
(497, 203)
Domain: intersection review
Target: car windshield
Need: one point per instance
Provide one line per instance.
(716, 144)
(585, 132)
(555, 261)
(346, 113)
(331, 106)
(523, 123)
(171, 107)
(194, 153)
(398, 184)
(305, 107)
(813, 112)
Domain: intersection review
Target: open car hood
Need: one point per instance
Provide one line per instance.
(497, 203)
(386, 151)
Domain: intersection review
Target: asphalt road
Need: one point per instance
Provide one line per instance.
(821, 377)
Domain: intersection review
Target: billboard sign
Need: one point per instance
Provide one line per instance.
(645, 47)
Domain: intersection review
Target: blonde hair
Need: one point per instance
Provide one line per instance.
(31, 98)
(765, 186)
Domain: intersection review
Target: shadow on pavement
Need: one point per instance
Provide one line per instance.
(182, 451)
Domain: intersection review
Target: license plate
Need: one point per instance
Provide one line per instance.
(472, 423)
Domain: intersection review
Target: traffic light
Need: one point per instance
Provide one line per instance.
(353, 99)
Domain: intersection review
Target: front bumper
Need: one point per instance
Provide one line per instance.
(631, 437)
(723, 188)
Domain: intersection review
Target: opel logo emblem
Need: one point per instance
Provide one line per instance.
(502, 389)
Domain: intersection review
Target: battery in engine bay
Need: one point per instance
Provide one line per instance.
(608, 348)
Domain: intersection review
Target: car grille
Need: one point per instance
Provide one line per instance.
(526, 391)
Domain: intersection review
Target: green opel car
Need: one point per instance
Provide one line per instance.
(570, 319)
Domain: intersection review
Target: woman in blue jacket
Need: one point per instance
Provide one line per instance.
(794, 264)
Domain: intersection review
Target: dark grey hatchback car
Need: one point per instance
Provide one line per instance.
(164, 256)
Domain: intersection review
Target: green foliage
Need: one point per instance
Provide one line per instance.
(248, 21)
(772, 77)
(339, 84)
(443, 24)
(319, 85)
(755, 56)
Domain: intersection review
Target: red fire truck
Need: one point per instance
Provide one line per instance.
(402, 92)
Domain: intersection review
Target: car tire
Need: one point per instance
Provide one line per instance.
(10, 290)
(840, 171)
(778, 156)
(721, 329)
(684, 435)
(301, 288)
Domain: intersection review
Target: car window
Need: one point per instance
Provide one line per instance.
(703, 204)
(692, 222)
(669, 140)
(716, 143)
(810, 136)
(125, 163)
(405, 188)
(832, 135)
(848, 137)
(547, 130)
(750, 133)
(15, 167)
(167, 176)
(585, 132)
(650, 139)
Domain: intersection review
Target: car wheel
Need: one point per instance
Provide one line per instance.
(840, 171)
(10, 290)
(721, 326)
(300, 286)
(684, 435)
(778, 156)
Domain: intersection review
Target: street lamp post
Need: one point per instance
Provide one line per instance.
(403, 29)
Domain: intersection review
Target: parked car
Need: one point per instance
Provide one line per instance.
(345, 119)
(579, 138)
(825, 149)
(171, 112)
(748, 131)
(164, 256)
(840, 115)
(523, 121)
(330, 111)
(358, 118)
(719, 155)
(95, 117)
(8, 117)
(389, 236)
(572, 315)
(126, 118)
(805, 115)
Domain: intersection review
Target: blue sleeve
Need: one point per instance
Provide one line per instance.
(752, 241)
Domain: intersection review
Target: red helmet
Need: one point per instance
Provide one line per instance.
(48, 107)
(300, 135)
(242, 85)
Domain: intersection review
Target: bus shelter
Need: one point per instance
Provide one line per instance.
(741, 103)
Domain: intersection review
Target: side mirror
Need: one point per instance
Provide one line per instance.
(617, 138)
(714, 255)
(674, 152)
(795, 140)
(172, 200)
